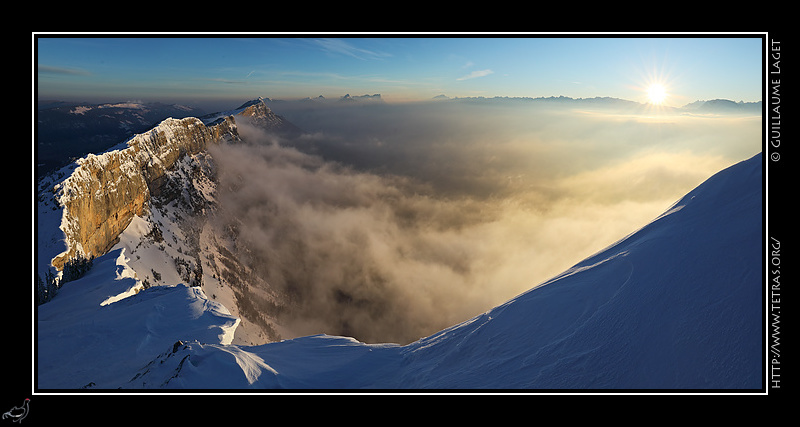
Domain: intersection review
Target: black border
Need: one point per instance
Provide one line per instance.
(213, 405)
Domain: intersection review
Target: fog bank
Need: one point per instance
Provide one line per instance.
(390, 222)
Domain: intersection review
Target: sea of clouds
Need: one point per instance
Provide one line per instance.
(389, 222)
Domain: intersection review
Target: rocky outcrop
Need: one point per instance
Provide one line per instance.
(105, 191)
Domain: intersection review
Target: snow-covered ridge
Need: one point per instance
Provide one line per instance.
(104, 326)
(674, 305)
(210, 119)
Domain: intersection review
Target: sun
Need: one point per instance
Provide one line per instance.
(656, 94)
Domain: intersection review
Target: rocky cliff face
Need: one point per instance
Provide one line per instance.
(104, 192)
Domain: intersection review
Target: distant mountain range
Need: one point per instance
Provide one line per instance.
(66, 131)
(723, 106)
(709, 106)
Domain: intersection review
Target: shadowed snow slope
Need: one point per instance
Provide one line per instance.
(675, 305)
(87, 337)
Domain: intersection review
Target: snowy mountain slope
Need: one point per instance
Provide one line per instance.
(90, 335)
(636, 314)
(675, 305)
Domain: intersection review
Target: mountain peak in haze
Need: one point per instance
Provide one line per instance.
(723, 106)
(366, 98)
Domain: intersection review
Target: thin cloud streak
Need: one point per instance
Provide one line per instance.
(340, 47)
(476, 74)
(62, 71)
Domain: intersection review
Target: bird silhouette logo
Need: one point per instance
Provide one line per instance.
(17, 413)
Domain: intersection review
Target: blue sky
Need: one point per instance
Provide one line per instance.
(220, 67)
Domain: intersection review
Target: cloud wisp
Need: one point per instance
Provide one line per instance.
(341, 47)
(64, 71)
(475, 74)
